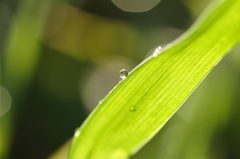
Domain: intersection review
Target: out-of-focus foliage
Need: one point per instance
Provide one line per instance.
(59, 58)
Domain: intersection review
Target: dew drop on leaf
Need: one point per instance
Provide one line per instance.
(77, 132)
(157, 51)
(123, 73)
(132, 108)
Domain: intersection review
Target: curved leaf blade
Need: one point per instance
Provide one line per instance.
(141, 104)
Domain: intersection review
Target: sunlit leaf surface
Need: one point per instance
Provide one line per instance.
(142, 103)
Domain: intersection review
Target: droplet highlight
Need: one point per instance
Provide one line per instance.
(123, 73)
(77, 132)
(100, 102)
(156, 52)
(132, 108)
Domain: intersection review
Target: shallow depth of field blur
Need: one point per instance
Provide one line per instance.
(58, 59)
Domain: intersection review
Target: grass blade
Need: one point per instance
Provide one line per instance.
(142, 103)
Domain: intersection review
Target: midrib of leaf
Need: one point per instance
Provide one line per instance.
(158, 87)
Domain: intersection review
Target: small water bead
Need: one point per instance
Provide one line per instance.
(77, 132)
(157, 51)
(100, 102)
(132, 108)
(123, 73)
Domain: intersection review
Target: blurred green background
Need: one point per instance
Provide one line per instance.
(58, 59)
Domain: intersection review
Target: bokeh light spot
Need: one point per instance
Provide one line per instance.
(136, 5)
(5, 101)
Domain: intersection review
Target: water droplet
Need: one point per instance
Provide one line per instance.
(123, 73)
(77, 132)
(100, 102)
(132, 108)
(157, 51)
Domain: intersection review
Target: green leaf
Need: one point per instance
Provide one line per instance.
(136, 109)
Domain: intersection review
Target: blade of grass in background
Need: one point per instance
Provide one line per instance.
(142, 103)
(22, 54)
